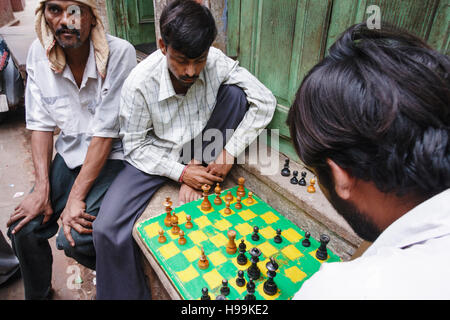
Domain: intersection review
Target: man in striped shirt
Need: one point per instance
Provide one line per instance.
(180, 94)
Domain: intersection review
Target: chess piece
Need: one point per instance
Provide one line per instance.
(238, 204)
(270, 287)
(255, 235)
(205, 294)
(278, 238)
(242, 258)
(162, 238)
(217, 191)
(182, 239)
(225, 290)
(240, 280)
(306, 242)
(322, 253)
(188, 224)
(203, 262)
(231, 246)
(221, 297)
(294, 179)
(311, 188)
(174, 223)
(285, 172)
(168, 204)
(229, 197)
(250, 290)
(206, 205)
(250, 198)
(227, 208)
(241, 190)
(302, 181)
(253, 271)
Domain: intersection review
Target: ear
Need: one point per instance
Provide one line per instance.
(162, 46)
(343, 181)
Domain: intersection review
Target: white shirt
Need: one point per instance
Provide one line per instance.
(409, 260)
(155, 122)
(54, 100)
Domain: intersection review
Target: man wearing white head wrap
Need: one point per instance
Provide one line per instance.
(75, 75)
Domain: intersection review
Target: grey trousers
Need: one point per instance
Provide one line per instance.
(119, 271)
(8, 261)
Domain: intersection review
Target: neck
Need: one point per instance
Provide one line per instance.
(384, 208)
(77, 57)
(177, 86)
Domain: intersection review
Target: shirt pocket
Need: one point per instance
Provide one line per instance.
(60, 110)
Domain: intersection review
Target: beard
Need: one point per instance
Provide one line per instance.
(65, 43)
(360, 222)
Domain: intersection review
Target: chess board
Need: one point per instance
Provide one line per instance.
(180, 262)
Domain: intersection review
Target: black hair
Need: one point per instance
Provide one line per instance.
(188, 27)
(378, 106)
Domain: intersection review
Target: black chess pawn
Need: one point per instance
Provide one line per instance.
(250, 290)
(322, 253)
(253, 271)
(242, 258)
(221, 297)
(205, 294)
(240, 280)
(255, 235)
(270, 287)
(306, 242)
(302, 181)
(278, 238)
(294, 179)
(285, 172)
(225, 290)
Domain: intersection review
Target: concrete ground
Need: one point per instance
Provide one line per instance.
(70, 280)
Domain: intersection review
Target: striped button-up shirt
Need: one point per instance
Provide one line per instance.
(155, 122)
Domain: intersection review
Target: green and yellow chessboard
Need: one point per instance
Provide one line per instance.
(180, 262)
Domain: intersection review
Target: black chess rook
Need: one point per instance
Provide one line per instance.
(322, 253)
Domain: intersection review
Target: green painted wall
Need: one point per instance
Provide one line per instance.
(132, 20)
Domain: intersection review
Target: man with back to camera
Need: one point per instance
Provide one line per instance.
(177, 94)
(382, 158)
(75, 73)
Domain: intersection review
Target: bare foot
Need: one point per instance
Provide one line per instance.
(188, 194)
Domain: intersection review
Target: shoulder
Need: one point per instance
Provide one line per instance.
(392, 273)
(120, 47)
(147, 72)
(36, 52)
(218, 59)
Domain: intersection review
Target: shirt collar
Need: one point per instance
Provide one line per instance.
(428, 220)
(89, 72)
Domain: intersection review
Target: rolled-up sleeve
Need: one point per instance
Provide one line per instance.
(106, 119)
(262, 104)
(139, 148)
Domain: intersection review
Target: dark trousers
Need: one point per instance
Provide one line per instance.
(31, 244)
(119, 272)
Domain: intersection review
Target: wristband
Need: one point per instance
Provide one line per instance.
(182, 174)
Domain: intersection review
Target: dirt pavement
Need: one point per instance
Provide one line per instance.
(70, 280)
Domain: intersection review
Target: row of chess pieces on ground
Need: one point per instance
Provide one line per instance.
(286, 172)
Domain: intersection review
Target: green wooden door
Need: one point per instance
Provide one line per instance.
(280, 41)
(132, 20)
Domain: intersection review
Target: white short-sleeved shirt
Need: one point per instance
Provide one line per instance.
(409, 260)
(54, 100)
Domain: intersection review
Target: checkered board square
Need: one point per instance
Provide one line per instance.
(180, 262)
